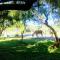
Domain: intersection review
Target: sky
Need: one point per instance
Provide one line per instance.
(52, 17)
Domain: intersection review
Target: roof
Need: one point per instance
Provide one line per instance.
(26, 6)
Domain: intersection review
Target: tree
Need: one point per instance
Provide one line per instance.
(20, 16)
(55, 3)
(57, 43)
(3, 16)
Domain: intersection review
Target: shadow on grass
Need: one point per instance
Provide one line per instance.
(27, 49)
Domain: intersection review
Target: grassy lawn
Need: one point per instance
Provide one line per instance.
(28, 49)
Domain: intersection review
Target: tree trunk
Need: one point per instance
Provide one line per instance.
(14, 2)
(1, 30)
(22, 35)
(55, 34)
(57, 42)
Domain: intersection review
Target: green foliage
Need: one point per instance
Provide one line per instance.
(55, 3)
(13, 17)
(20, 25)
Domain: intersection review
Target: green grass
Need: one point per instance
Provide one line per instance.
(27, 49)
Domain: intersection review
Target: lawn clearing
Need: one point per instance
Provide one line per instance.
(33, 49)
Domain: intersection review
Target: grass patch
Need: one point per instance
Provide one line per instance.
(27, 49)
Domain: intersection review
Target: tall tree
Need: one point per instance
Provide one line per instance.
(3, 15)
(46, 21)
